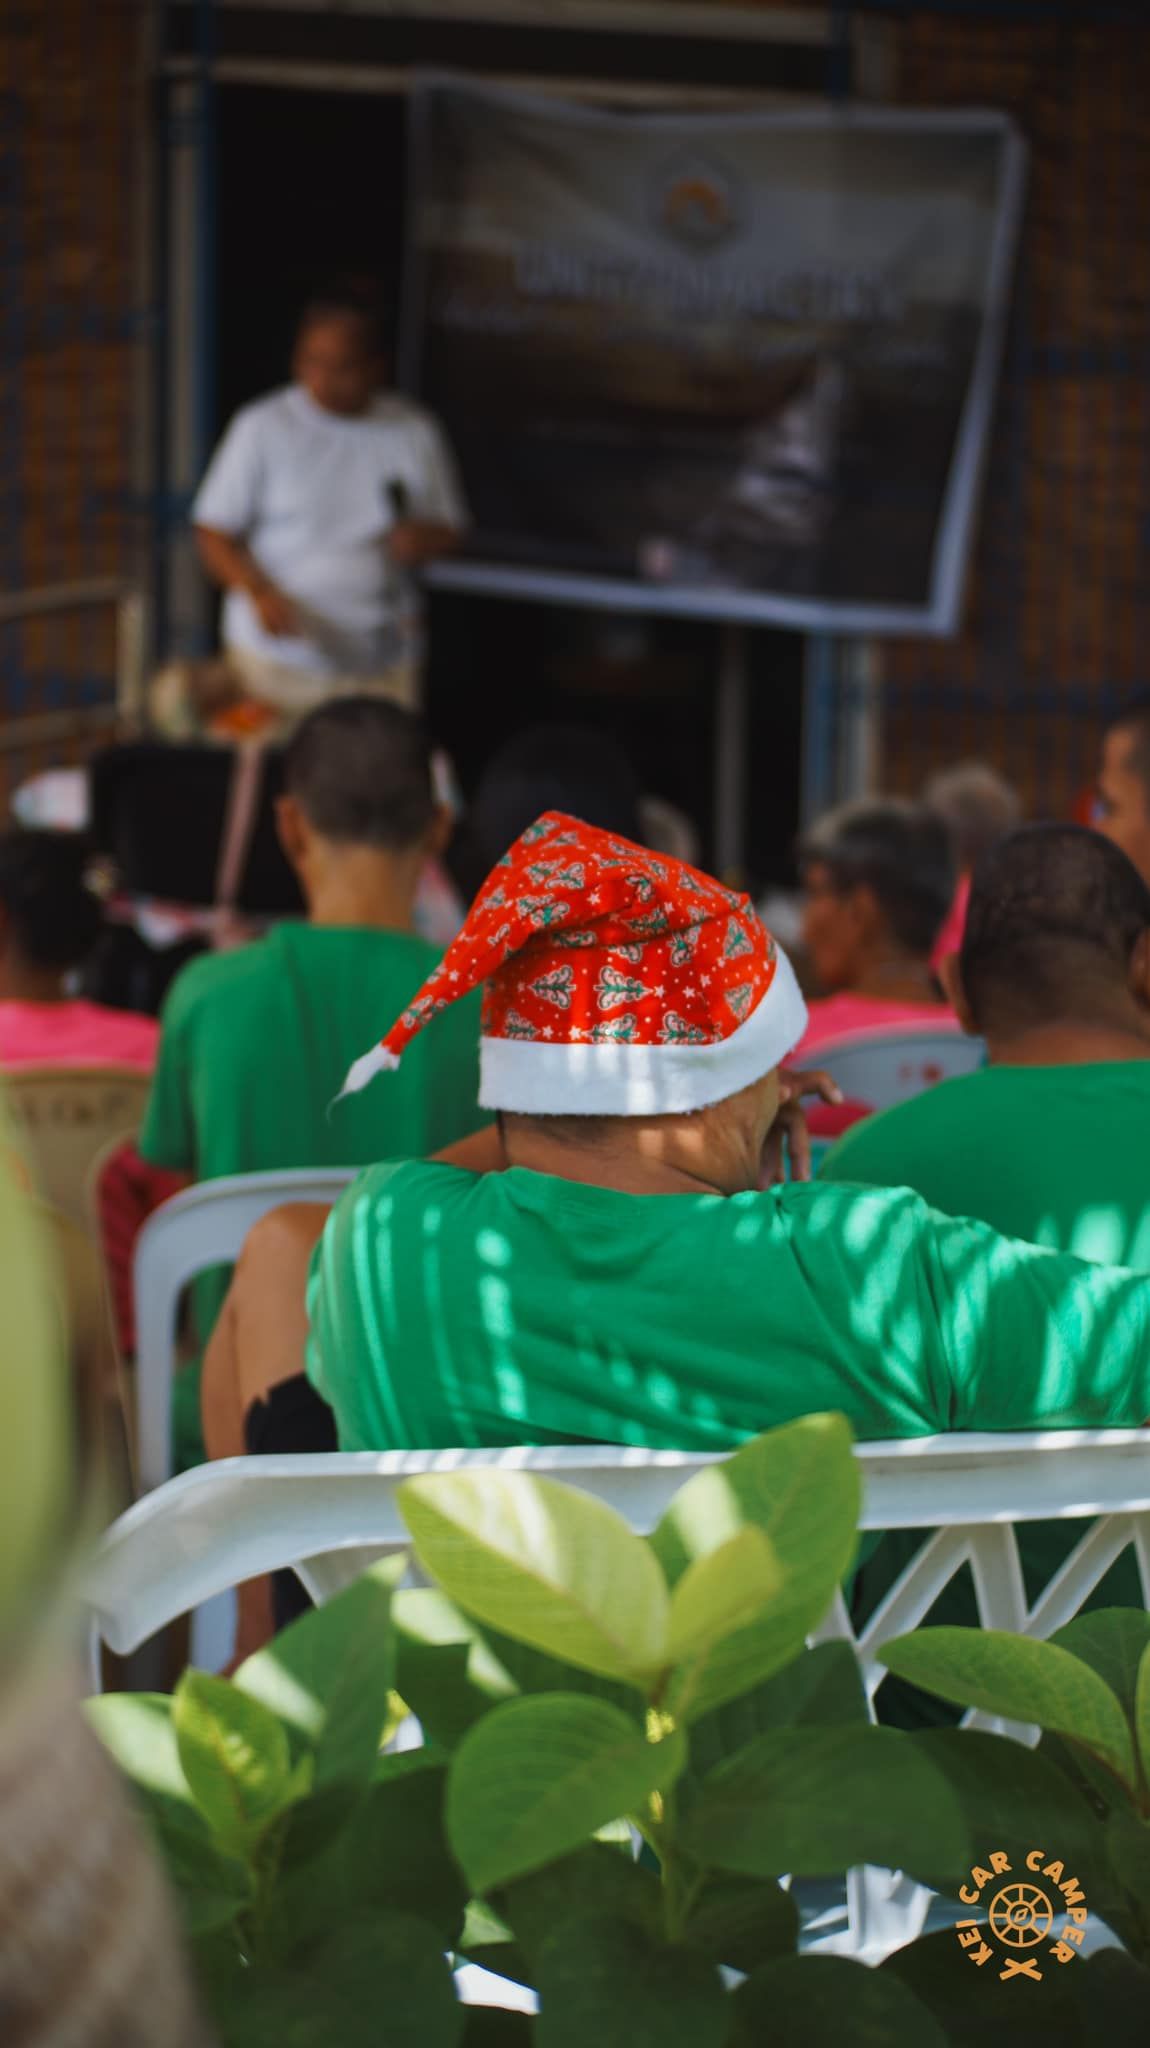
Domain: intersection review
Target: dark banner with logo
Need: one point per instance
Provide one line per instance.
(736, 364)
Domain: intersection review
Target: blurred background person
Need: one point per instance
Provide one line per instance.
(564, 767)
(978, 807)
(50, 922)
(878, 879)
(1122, 810)
(1054, 974)
(319, 502)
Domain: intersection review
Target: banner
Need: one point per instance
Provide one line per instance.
(735, 364)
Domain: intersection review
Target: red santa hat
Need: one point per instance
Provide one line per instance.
(618, 982)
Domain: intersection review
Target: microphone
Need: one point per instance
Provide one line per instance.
(398, 499)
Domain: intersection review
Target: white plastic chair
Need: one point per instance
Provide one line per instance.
(204, 1227)
(885, 1067)
(329, 1516)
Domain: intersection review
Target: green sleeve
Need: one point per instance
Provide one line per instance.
(1036, 1339)
(348, 1316)
(168, 1137)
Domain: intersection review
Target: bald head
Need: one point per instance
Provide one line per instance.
(1058, 931)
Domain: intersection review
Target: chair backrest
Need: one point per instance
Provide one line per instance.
(63, 1117)
(885, 1067)
(204, 1227)
(329, 1515)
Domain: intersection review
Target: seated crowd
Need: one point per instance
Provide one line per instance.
(605, 1061)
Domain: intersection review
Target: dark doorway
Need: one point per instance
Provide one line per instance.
(312, 188)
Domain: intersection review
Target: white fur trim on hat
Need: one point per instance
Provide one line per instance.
(529, 1078)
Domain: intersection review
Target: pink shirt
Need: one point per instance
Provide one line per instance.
(848, 1015)
(949, 939)
(76, 1034)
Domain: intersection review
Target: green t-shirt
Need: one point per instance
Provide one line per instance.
(256, 1044)
(254, 1050)
(1055, 1155)
(452, 1309)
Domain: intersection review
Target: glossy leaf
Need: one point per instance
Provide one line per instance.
(536, 1777)
(444, 1667)
(742, 1921)
(235, 1757)
(383, 1979)
(1112, 1641)
(1011, 1798)
(824, 2001)
(543, 1563)
(814, 1801)
(974, 2008)
(391, 1854)
(329, 1675)
(1021, 1680)
(592, 1881)
(137, 1730)
(799, 1486)
(1142, 1713)
(721, 1592)
(608, 1983)
(820, 1688)
(210, 1887)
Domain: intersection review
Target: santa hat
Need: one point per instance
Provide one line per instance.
(618, 982)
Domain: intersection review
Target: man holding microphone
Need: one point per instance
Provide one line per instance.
(318, 503)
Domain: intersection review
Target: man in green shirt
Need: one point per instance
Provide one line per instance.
(255, 1042)
(1047, 1142)
(630, 1278)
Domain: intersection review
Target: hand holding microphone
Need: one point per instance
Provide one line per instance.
(403, 540)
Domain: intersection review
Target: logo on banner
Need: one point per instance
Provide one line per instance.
(1020, 1931)
(697, 202)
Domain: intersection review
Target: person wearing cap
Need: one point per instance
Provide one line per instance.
(629, 1278)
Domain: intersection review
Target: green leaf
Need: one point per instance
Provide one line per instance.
(800, 1487)
(536, 1777)
(211, 1888)
(329, 1675)
(488, 2026)
(235, 1757)
(824, 2001)
(974, 2008)
(1111, 1640)
(372, 1981)
(606, 1982)
(1112, 1993)
(1142, 1712)
(818, 1688)
(544, 1563)
(742, 1921)
(721, 1592)
(136, 1728)
(391, 1854)
(1014, 1799)
(594, 1880)
(1021, 1679)
(535, 1671)
(445, 1670)
(815, 1801)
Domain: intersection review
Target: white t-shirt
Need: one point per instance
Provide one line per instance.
(308, 491)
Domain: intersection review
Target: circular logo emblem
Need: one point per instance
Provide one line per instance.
(697, 202)
(1020, 1915)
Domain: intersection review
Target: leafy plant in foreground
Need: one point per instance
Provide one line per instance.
(577, 1686)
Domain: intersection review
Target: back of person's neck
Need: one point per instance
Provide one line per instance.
(363, 886)
(622, 1163)
(1069, 1042)
(21, 982)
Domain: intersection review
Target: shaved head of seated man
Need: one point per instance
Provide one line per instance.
(1054, 974)
(629, 1277)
